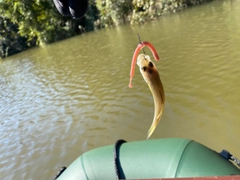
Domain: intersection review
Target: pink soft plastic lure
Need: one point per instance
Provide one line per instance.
(134, 59)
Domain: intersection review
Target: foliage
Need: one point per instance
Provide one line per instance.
(151, 9)
(27, 23)
(37, 22)
(36, 19)
(10, 41)
(113, 12)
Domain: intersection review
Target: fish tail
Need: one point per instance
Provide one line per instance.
(151, 130)
(154, 125)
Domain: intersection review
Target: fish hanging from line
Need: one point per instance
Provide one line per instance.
(152, 78)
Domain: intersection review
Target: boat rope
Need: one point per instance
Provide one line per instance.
(60, 172)
(227, 155)
(117, 164)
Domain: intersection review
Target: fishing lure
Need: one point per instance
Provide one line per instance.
(151, 76)
(135, 54)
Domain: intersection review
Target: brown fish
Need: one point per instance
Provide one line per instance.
(151, 76)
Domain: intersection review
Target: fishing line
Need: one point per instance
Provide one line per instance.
(135, 28)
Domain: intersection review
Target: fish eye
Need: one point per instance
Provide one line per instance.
(144, 68)
(150, 64)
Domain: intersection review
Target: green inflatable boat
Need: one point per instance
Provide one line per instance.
(160, 158)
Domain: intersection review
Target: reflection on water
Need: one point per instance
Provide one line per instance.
(69, 97)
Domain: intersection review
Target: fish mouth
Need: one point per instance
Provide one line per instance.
(143, 60)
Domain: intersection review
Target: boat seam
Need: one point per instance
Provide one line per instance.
(182, 156)
(84, 167)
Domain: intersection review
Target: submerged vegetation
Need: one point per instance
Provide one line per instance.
(25, 24)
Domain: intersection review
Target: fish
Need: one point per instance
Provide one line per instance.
(151, 76)
(134, 58)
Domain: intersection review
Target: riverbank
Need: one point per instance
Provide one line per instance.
(155, 9)
(28, 25)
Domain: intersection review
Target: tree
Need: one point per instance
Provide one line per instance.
(114, 12)
(10, 41)
(36, 19)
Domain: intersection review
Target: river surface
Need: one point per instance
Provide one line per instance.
(69, 97)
